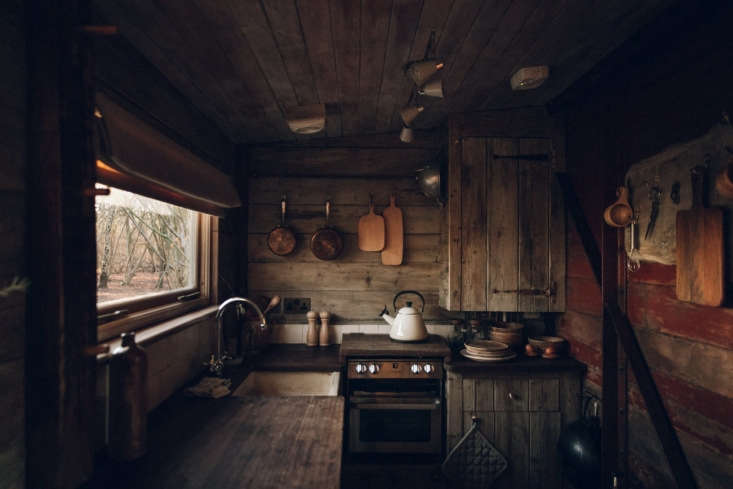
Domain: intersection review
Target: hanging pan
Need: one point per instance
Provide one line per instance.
(281, 240)
(327, 243)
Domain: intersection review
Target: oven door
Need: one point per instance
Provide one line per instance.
(395, 424)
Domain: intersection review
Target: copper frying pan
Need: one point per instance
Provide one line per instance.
(281, 240)
(327, 243)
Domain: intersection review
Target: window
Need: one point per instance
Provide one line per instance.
(152, 260)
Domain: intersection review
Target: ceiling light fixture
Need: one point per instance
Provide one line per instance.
(306, 119)
(408, 116)
(421, 71)
(529, 77)
(432, 88)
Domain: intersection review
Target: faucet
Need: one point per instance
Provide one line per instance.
(216, 362)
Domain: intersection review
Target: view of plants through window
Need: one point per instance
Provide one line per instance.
(144, 246)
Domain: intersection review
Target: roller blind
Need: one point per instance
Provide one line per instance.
(135, 156)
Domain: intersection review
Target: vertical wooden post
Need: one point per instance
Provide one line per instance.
(60, 378)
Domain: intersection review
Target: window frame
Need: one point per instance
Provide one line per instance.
(145, 311)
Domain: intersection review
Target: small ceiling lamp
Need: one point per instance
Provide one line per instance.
(408, 116)
(410, 113)
(421, 71)
(529, 77)
(306, 119)
(432, 88)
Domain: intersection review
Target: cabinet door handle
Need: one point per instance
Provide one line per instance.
(513, 397)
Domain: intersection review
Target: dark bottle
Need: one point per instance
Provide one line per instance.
(128, 418)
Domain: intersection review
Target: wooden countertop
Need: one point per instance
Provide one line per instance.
(233, 443)
(520, 364)
(360, 344)
(295, 357)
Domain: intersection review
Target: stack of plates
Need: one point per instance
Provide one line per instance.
(509, 333)
(488, 351)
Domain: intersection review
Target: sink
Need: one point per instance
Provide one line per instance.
(268, 383)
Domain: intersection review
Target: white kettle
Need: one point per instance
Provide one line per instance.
(408, 325)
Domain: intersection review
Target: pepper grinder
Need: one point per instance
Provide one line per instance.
(324, 334)
(311, 337)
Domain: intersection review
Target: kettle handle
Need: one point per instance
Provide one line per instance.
(403, 292)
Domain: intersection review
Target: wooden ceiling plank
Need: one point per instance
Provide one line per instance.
(433, 18)
(315, 20)
(345, 22)
(286, 29)
(575, 17)
(511, 34)
(241, 58)
(461, 62)
(157, 50)
(571, 30)
(463, 16)
(253, 22)
(375, 28)
(403, 24)
(208, 59)
(607, 35)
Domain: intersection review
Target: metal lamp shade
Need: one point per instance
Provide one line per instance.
(407, 135)
(421, 71)
(409, 114)
(433, 88)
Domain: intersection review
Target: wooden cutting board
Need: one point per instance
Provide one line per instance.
(394, 245)
(700, 266)
(371, 231)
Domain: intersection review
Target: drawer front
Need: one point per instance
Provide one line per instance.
(511, 394)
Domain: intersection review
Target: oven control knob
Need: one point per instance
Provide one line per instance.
(360, 368)
(373, 368)
(415, 368)
(428, 369)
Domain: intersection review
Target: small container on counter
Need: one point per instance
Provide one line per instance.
(323, 336)
(311, 336)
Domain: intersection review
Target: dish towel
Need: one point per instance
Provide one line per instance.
(213, 387)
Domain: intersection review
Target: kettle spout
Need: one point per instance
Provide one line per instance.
(385, 315)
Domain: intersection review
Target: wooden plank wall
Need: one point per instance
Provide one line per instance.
(689, 348)
(356, 286)
(13, 230)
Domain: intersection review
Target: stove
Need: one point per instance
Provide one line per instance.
(395, 395)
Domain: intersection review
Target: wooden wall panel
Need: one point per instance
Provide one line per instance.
(688, 347)
(12, 245)
(355, 286)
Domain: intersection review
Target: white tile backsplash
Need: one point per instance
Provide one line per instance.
(295, 333)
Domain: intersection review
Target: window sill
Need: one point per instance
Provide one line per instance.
(160, 330)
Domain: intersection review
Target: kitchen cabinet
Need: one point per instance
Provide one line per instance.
(503, 226)
(521, 410)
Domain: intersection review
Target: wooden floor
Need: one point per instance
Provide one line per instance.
(392, 477)
(233, 443)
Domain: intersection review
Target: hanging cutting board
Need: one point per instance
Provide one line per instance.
(700, 267)
(394, 244)
(371, 230)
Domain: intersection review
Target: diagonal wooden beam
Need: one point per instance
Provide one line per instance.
(660, 419)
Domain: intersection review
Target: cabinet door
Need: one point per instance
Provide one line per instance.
(503, 227)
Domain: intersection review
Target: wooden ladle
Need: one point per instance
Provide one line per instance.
(619, 214)
(273, 304)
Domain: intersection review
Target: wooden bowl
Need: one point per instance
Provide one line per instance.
(542, 342)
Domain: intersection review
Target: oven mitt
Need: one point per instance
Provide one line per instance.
(474, 463)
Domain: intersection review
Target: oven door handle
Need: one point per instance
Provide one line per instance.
(424, 406)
